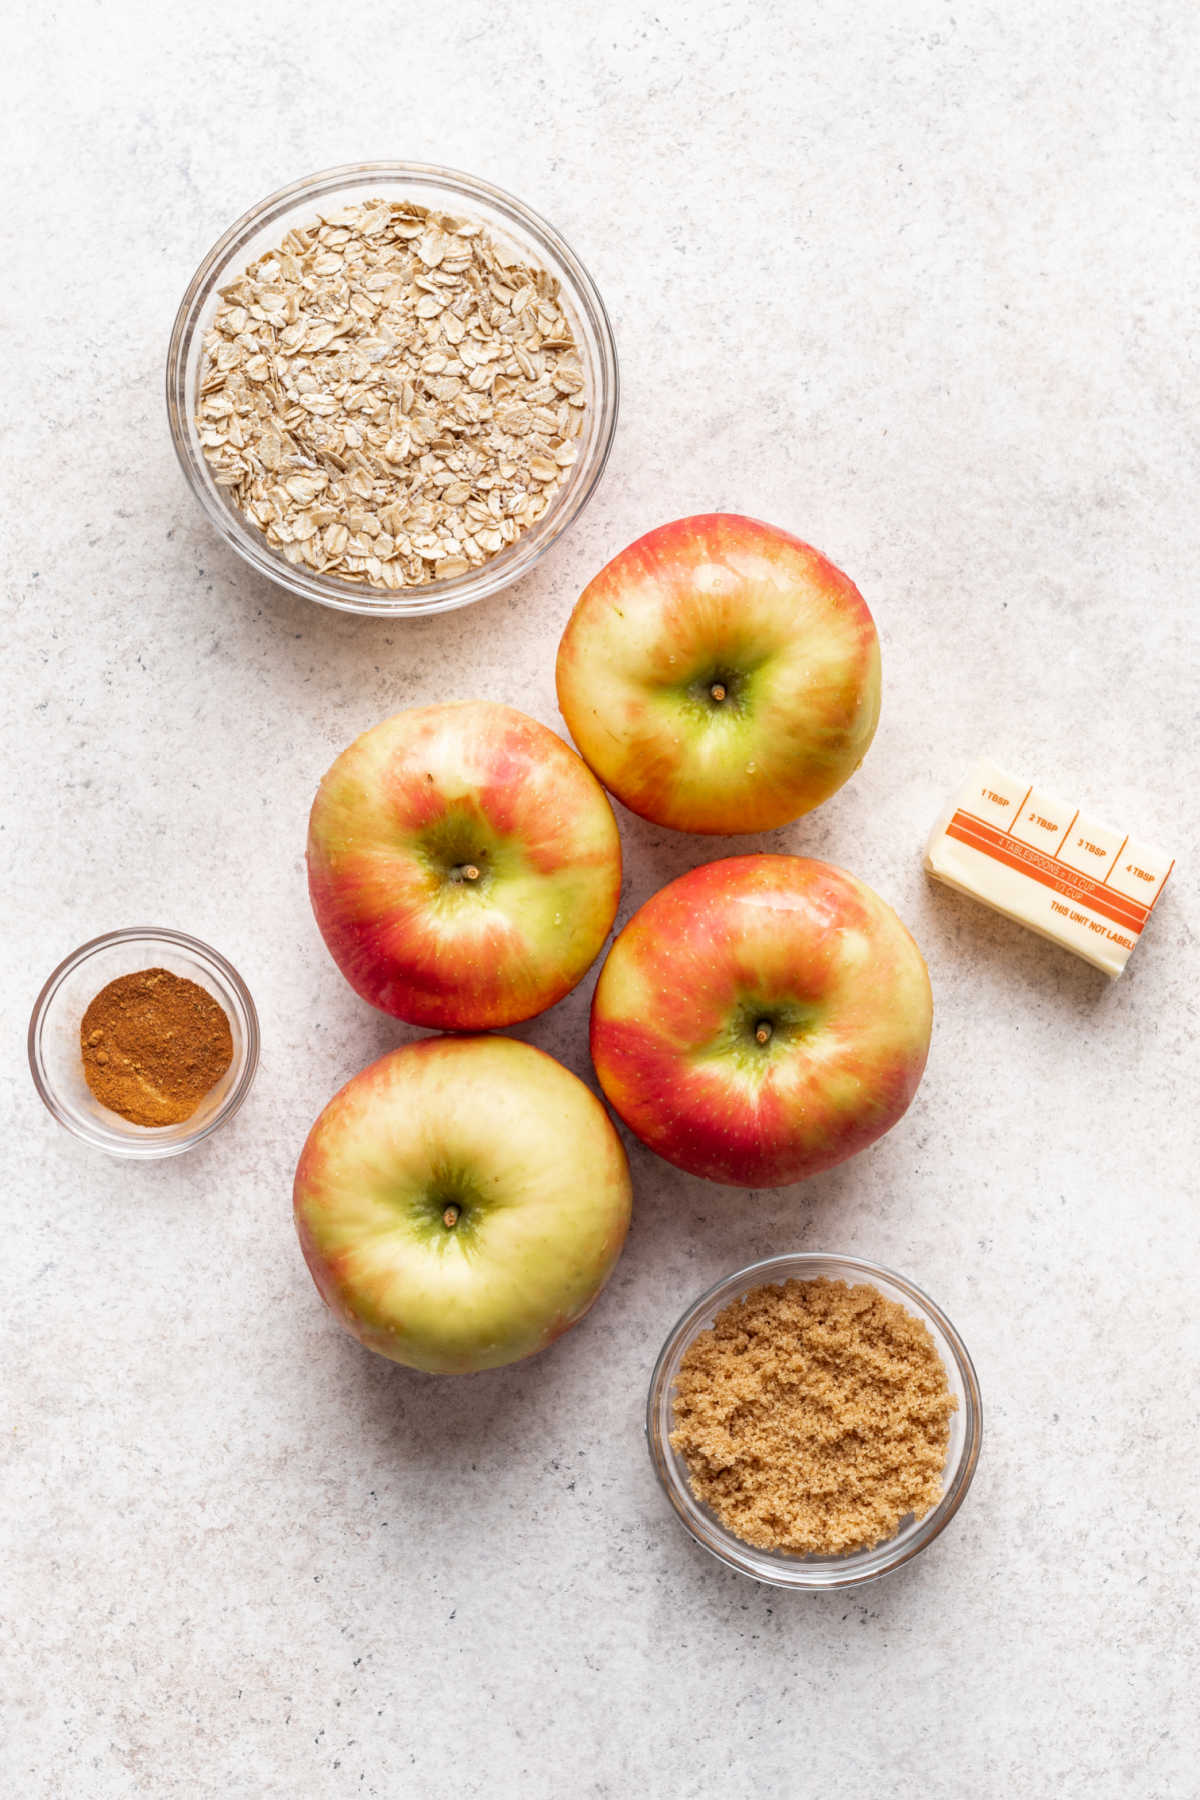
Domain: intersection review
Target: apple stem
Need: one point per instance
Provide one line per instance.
(762, 1032)
(470, 872)
(718, 690)
(450, 1217)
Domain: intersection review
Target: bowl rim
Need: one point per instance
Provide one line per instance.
(113, 1142)
(450, 592)
(802, 1574)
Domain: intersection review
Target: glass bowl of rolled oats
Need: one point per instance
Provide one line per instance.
(392, 388)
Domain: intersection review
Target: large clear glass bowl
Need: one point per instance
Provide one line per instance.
(514, 227)
(816, 1572)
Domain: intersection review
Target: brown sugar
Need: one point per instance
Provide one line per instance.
(153, 1044)
(814, 1417)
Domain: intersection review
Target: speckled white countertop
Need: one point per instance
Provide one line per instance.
(917, 281)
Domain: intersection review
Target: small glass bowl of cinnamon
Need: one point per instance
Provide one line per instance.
(56, 1059)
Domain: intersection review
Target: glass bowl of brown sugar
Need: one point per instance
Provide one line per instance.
(807, 1400)
(57, 1050)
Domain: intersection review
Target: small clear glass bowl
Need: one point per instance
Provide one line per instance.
(514, 227)
(815, 1572)
(56, 1063)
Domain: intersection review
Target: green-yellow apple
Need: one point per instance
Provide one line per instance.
(761, 1019)
(461, 1202)
(464, 866)
(720, 675)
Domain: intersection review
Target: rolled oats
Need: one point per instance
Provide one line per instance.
(387, 399)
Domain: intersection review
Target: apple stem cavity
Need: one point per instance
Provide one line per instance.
(763, 1031)
(450, 1217)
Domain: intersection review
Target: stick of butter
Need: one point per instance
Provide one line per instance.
(1038, 860)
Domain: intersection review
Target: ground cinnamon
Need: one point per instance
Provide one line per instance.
(153, 1045)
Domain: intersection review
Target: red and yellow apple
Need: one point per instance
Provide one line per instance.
(761, 1019)
(720, 675)
(461, 1202)
(464, 866)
